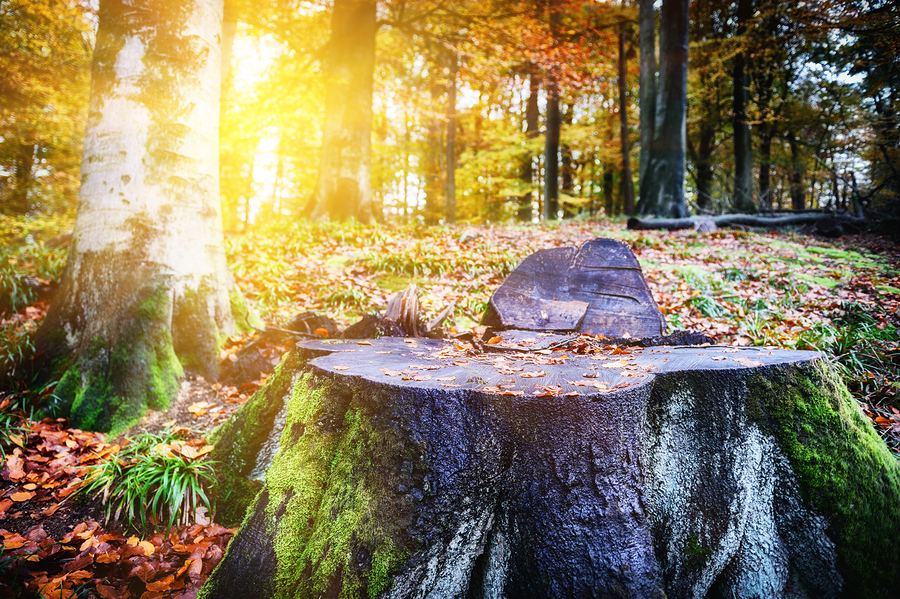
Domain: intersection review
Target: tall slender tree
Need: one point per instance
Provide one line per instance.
(344, 187)
(647, 94)
(743, 151)
(146, 291)
(627, 183)
(664, 179)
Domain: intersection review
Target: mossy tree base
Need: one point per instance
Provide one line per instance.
(683, 472)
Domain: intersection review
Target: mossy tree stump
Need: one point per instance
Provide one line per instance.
(415, 469)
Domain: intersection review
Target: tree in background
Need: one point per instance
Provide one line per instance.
(663, 192)
(344, 189)
(146, 291)
(45, 50)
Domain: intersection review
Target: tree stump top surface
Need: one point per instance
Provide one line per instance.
(527, 366)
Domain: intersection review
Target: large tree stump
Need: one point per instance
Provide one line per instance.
(413, 468)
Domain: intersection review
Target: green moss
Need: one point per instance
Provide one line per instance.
(697, 554)
(844, 467)
(110, 387)
(196, 335)
(245, 319)
(332, 492)
(238, 441)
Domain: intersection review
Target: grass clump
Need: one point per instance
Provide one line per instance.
(154, 479)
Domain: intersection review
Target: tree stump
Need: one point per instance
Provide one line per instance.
(418, 468)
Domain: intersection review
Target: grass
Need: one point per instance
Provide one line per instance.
(151, 482)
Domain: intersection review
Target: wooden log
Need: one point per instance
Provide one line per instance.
(747, 220)
(414, 468)
(596, 289)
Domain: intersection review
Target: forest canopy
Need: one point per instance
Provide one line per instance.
(463, 93)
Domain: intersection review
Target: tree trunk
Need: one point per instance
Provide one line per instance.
(647, 17)
(705, 163)
(532, 114)
(798, 199)
(627, 183)
(551, 145)
(665, 175)
(146, 290)
(743, 152)
(765, 167)
(551, 153)
(450, 183)
(434, 188)
(24, 180)
(423, 470)
(344, 187)
(608, 191)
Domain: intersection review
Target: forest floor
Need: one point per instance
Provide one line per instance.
(778, 289)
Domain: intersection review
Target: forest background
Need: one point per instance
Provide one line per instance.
(460, 107)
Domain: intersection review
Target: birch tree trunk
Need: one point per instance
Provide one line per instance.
(345, 181)
(146, 291)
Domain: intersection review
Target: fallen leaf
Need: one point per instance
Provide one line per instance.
(341, 367)
(22, 496)
(494, 340)
(532, 374)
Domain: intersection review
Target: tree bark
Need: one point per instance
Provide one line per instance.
(450, 183)
(532, 114)
(551, 153)
(551, 144)
(146, 291)
(422, 470)
(743, 151)
(344, 188)
(798, 197)
(627, 183)
(665, 176)
(647, 18)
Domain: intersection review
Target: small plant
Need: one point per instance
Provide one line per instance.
(153, 479)
(12, 424)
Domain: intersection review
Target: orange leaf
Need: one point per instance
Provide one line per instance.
(321, 332)
(148, 547)
(161, 585)
(494, 340)
(21, 496)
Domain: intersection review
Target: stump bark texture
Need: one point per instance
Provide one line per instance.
(415, 468)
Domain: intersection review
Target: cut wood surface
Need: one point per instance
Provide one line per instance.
(597, 289)
(420, 468)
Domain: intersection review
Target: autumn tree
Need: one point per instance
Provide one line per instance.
(344, 188)
(45, 50)
(146, 292)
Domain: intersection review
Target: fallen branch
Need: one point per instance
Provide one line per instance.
(748, 220)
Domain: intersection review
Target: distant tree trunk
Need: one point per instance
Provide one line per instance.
(608, 192)
(798, 198)
(627, 183)
(551, 146)
(146, 290)
(532, 114)
(765, 166)
(567, 166)
(344, 187)
(703, 161)
(665, 176)
(743, 151)
(450, 183)
(20, 202)
(433, 183)
(647, 98)
(551, 154)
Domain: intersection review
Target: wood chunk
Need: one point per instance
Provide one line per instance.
(548, 289)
